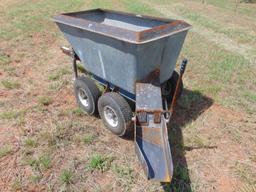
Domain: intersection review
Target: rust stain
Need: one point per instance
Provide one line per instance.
(148, 134)
(152, 77)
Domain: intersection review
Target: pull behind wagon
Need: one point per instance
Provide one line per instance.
(134, 58)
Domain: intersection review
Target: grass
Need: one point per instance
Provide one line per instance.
(60, 73)
(101, 3)
(66, 177)
(207, 22)
(247, 188)
(41, 163)
(99, 162)
(10, 114)
(10, 70)
(88, 139)
(5, 150)
(245, 172)
(78, 112)
(4, 60)
(36, 178)
(45, 100)
(30, 143)
(17, 185)
(230, 5)
(125, 176)
(28, 18)
(190, 98)
(10, 84)
(58, 85)
(17, 116)
(135, 6)
(250, 95)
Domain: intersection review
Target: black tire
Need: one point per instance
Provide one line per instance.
(169, 86)
(92, 94)
(122, 113)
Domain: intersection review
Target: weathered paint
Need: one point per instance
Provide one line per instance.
(151, 137)
(124, 55)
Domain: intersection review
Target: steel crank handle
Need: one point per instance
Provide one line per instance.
(183, 66)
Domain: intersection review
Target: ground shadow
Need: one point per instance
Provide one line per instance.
(191, 105)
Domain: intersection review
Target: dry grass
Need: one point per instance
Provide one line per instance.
(48, 144)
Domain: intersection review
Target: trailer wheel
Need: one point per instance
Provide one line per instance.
(169, 86)
(116, 113)
(87, 94)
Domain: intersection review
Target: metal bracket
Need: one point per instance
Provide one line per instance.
(72, 54)
(74, 64)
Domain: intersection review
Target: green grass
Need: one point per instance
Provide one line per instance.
(250, 95)
(58, 85)
(10, 84)
(9, 114)
(138, 7)
(230, 5)
(66, 177)
(10, 70)
(78, 112)
(30, 143)
(246, 172)
(4, 60)
(81, 68)
(42, 163)
(209, 23)
(18, 116)
(27, 18)
(45, 100)
(45, 162)
(226, 65)
(107, 4)
(5, 150)
(190, 98)
(124, 173)
(58, 74)
(17, 185)
(88, 139)
(99, 162)
(36, 178)
(180, 178)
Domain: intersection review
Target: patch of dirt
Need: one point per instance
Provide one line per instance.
(226, 184)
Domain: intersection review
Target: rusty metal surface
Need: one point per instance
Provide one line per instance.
(69, 52)
(153, 77)
(166, 27)
(151, 138)
(178, 86)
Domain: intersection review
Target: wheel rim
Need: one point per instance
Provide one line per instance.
(82, 95)
(110, 116)
(166, 88)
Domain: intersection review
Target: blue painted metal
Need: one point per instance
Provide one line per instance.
(151, 137)
(123, 48)
(123, 92)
